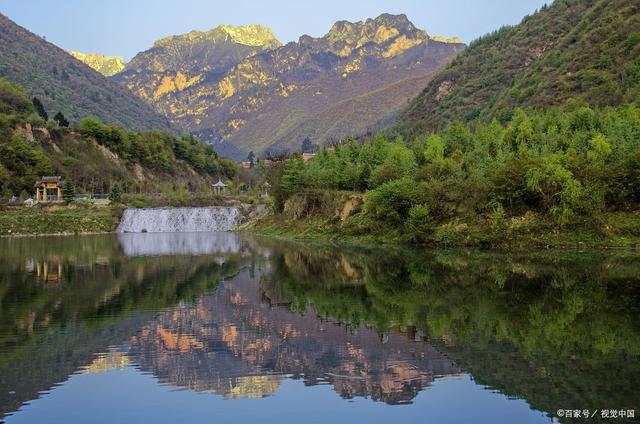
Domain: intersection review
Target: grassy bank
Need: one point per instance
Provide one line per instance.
(611, 230)
(40, 220)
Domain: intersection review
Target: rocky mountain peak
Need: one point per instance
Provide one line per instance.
(249, 35)
(106, 65)
(229, 87)
(394, 31)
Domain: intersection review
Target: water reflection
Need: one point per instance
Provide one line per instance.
(237, 317)
(165, 244)
(236, 343)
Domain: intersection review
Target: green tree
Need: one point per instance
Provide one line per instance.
(92, 128)
(560, 191)
(400, 162)
(68, 191)
(116, 193)
(61, 120)
(292, 178)
(37, 104)
(392, 201)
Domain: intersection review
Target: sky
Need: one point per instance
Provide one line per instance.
(126, 27)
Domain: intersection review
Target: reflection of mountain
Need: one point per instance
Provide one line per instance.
(162, 244)
(552, 329)
(234, 342)
(557, 330)
(48, 331)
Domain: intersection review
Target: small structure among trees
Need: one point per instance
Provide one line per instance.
(307, 156)
(266, 189)
(219, 187)
(49, 189)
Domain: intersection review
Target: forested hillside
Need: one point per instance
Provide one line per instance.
(64, 84)
(540, 177)
(586, 51)
(96, 157)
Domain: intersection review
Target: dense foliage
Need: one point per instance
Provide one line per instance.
(502, 317)
(96, 156)
(20, 163)
(566, 165)
(157, 149)
(586, 50)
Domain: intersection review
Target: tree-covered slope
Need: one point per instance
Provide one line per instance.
(96, 157)
(65, 84)
(588, 50)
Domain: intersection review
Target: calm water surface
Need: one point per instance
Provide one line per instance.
(229, 328)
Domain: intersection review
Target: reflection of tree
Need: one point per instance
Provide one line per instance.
(559, 330)
(235, 344)
(47, 332)
(546, 327)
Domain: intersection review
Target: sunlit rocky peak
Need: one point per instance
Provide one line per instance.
(237, 86)
(443, 39)
(106, 65)
(252, 35)
(395, 30)
(248, 35)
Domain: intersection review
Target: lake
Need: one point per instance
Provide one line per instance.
(221, 327)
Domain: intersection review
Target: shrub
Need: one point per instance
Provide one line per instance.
(116, 193)
(392, 201)
(420, 225)
(452, 234)
(136, 200)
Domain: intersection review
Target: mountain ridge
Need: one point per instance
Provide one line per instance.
(249, 35)
(264, 98)
(588, 54)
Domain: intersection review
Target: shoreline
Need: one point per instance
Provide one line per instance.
(56, 222)
(434, 246)
(355, 241)
(539, 238)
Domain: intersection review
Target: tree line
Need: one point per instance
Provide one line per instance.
(78, 153)
(566, 165)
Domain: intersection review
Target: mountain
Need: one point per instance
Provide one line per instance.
(162, 74)
(246, 93)
(106, 65)
(65, 84)
(586, 50)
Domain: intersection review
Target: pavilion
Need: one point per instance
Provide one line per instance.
(219, 187)
(49, 189)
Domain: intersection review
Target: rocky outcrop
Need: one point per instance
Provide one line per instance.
(106, 65)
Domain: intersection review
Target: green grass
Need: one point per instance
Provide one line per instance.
(611, 230)
(58, 220)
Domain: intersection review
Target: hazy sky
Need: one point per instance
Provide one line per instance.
(125, 27)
